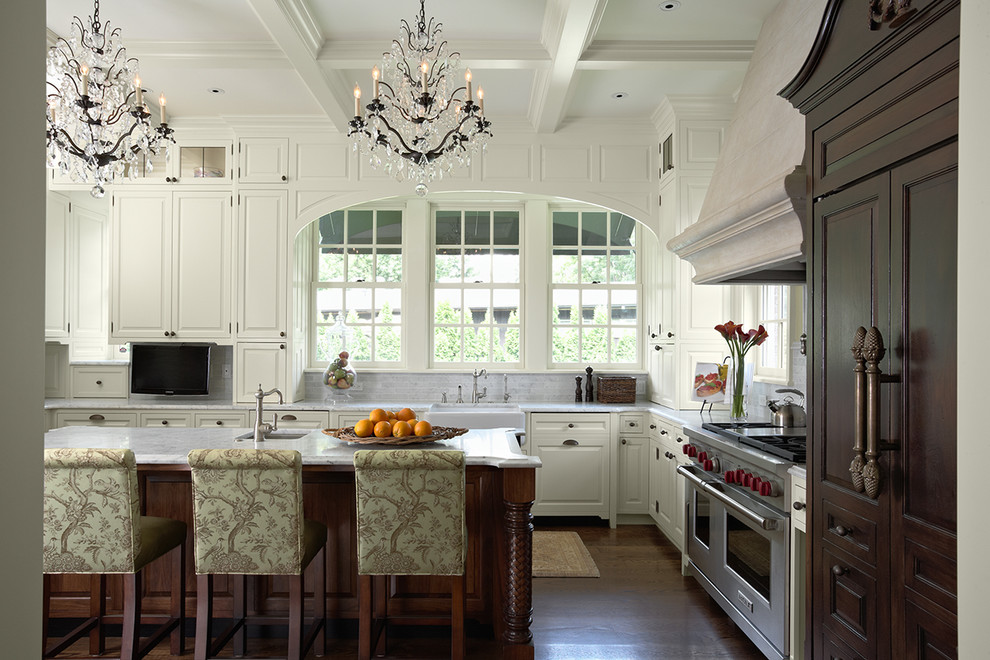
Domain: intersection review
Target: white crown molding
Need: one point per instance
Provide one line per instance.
(480, 54)
(602, 53)
(227, 54)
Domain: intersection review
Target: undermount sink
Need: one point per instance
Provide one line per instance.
(287, 434)
(476, 416)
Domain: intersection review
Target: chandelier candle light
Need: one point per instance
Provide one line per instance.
(98, 122)
(417, 126)
(739, 341)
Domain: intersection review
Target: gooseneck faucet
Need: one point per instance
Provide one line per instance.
(476, 396)
(262, 428)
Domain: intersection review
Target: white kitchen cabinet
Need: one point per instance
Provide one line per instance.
(263, 160)
(662, 374)
(171, 266)
(235, 419)
(292, 419)
(632, 489)
(191, 163)
(259, 363)
(667, 493)
(98, 381)
(165, 419)
(95, 417)
(575, 450)
(57, 253)
(261, 268)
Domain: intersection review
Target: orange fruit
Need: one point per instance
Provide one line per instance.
(406, 414)
(401, 429)
(423, 428)
(383, 429)
(378, 415)
(364, 428)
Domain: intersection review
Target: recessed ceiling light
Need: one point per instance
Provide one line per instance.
(619, 95)
(670, 5)
(216, 90)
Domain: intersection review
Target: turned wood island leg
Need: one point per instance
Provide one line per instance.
(516, 563)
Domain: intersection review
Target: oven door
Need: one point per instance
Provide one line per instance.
(737, 547)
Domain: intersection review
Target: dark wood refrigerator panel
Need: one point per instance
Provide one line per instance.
(882, 128)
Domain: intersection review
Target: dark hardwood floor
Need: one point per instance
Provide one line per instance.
(640, 608)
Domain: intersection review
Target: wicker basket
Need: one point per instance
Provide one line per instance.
(616, 389)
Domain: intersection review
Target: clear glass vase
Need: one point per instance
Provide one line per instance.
(737, 397)
(339, 375)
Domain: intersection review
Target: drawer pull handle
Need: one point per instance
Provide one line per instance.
(570, 426)
(839, 571)
(288, 418)
(841, 531)
(164, 422)
(653, 427)
(663, 432)
(96, 418)
(570, 442)
(798, 506)
(99, 382)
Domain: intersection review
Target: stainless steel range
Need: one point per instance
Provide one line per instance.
(737, 526)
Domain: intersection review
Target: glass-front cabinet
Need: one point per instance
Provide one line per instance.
(197, 163)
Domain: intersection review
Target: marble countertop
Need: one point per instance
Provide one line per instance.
(170, 446)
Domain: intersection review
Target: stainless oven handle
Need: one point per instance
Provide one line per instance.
(764, 522)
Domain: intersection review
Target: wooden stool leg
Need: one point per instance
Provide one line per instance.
(204, 615)
(178, 600)
(131, 623)
(320, 604)
(240, 613)
(98, 610)
(458, 595)
(379, 617)
(295, 616)
(364, 617)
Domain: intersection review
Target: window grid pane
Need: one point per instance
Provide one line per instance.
(476, 287)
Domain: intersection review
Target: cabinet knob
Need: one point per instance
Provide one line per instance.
(284, 178)
(839, 571)
(570, 426)
(99, 382)
(164, 422)
(171, 334)
(653, 426)
(623, 441)
(632, 424)
(663, 432)
(166, 333)
(282, 346)
(219, 422)
(841, 531)
(658, 347)
(798, 506)
(281, 334)
(670, 334)
(96, 418)
(570, 442)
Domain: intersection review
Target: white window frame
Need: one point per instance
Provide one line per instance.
(780, 324)
(491, 286)
(637, 286)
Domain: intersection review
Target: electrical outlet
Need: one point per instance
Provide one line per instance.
(226, 371)
(761, 401)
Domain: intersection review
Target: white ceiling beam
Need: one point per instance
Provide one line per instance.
(482, 55)
(602, 54)
(568, 26)
(212, 54)
(296, 32)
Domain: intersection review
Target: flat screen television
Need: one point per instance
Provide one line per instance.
(170, 369)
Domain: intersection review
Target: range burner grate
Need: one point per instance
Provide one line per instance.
(791, 448)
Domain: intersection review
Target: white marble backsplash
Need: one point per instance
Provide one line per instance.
(429, 387)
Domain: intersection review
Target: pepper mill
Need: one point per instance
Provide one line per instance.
(589, 393)
(577, 389)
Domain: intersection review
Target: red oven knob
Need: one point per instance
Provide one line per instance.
(708, 465)
(730, 476)
(748, 480)
(741, 476)
(755, 484)
(692, 451)
(702, 457)
(766, 489)
(684, 448)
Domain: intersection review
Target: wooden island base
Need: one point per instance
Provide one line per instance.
(499, 565)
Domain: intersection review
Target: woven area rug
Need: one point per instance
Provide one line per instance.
(561, 554)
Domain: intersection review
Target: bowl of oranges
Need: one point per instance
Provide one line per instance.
(394, 428)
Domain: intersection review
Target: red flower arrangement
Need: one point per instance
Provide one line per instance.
(739, 341)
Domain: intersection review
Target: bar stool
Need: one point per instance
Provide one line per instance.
(410, 521)
(93, 525)
(248, 520)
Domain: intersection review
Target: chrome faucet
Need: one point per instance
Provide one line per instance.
(261, 429)
(476, 396)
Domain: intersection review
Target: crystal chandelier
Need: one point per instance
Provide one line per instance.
(98, 123)
(418, 127)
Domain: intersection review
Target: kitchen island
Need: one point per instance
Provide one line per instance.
(500, 482)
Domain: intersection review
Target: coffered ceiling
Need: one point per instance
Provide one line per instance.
(542, 63)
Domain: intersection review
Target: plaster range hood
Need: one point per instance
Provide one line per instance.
(751, 226)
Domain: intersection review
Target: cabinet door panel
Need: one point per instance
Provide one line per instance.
(258, 364)
(633, 474)
(201, 265)
(851, 597)
(57, 267)
(573, 480)
(142, 237)
(261, 246)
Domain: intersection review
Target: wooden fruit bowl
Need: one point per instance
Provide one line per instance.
(439, 433)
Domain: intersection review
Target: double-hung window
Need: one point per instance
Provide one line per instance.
(358, 286)
(773, 307)
(595, 289)
(476, 288)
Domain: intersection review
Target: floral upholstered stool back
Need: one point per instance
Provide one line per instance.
(248, 520)
(410, 521)
(93, 524)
